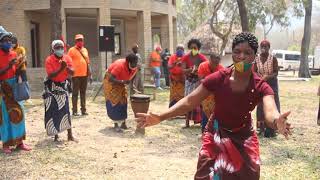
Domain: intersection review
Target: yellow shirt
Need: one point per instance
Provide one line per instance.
(79, 62)
(21, 52)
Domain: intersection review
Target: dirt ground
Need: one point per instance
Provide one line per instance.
(166, 151)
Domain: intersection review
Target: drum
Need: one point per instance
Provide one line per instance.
(140, 104)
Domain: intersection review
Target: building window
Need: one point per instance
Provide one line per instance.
(117, 44)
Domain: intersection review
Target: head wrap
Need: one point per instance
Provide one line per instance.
(265, 42)
(56, 42)
(4, 33)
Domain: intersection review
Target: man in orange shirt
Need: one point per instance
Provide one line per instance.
(155, 63)
(81, 64)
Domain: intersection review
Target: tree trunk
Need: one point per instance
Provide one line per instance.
(243, 15)
(56, 23)
(304, 62)
(223, 45)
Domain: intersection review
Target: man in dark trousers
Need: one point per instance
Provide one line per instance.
(165, 58)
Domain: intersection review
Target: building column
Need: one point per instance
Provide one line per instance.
(171, 47)
(64, 24)
(175, 33)
(167, 32)
(144, 34)
(104, 18)
(164, 32)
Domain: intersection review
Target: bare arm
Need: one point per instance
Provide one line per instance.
(181, 107)
(186, 104)
(270, 110)
(274, 119)
(185, 69)
(70, 71)
(115, 80)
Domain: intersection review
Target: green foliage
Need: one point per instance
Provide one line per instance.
(267, 13)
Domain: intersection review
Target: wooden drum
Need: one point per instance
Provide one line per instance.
(140, 104)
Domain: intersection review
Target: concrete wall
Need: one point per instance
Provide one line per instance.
(87, 27)
(131, 33)
(44, 34)
(136, 29)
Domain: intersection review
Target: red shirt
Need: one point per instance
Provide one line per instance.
(233, 110)
(205, 69)
(5, 59)
(189, 64)
(53, 65)
(176, 71)
(120, 70)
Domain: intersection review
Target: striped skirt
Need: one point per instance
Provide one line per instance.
(56, 102)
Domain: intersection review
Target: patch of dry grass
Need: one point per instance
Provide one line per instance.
(166, 152)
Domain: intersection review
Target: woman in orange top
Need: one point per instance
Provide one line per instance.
(176, 76)
(205, 69)
(155, 64)
(118, 75)
(56, 92)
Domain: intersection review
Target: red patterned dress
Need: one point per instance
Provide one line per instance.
(230, 147)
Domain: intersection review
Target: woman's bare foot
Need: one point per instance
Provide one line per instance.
(7, 150)
(24, 147)
(71, 138)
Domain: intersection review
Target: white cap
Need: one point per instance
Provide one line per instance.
(56, 42)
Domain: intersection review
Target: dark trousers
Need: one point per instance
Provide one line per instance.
(166, 72)
(79, 84)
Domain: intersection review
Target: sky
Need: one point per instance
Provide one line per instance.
(281, 38)
(299, 22)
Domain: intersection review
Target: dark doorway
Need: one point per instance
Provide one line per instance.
(34, 34)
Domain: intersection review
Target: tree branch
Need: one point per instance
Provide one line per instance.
(216, 7)
(271, 26)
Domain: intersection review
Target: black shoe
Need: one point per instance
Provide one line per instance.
(75, 114)
(84, 114)
(269, 133)
(117, 128)
(123, 126)
(56, 138)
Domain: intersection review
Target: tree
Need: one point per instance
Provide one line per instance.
(56, 23)
(243, 15)
(222, 29)
(304, 63)
(191, 14)
(267, 13)
(223, 16)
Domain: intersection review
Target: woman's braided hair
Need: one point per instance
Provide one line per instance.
(194, 41)
(246, 37)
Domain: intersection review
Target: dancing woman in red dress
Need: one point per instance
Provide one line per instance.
(230, 147)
